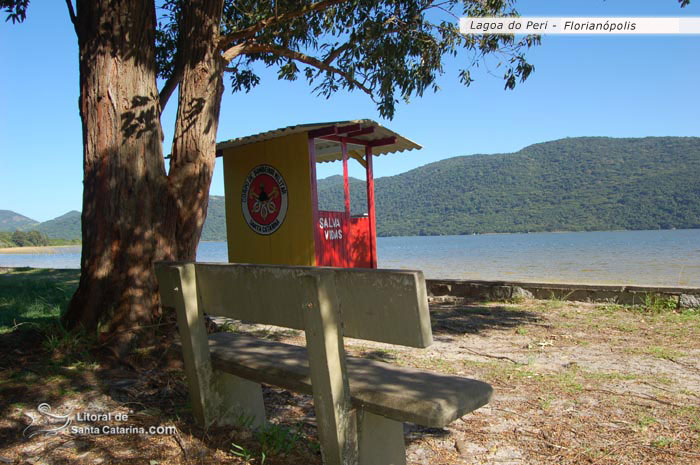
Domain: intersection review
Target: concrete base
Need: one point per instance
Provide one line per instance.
(380, 440)
(241, 401)
(504, 290)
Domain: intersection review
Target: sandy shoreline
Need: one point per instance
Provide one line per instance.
(30, 250)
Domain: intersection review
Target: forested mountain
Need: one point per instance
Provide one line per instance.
(573, 184)
(66, 226)
(11, 221)
(215, 226)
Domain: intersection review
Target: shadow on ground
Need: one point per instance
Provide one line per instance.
(474, 318)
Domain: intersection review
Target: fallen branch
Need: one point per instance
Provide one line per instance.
(639, 396)
(510, 412)
(658, 387)
(498, 357)
(671, 451)
(178, 439)
(683, 364)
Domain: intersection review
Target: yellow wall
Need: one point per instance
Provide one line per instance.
(293, 242)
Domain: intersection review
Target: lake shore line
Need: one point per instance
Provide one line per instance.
(44, 249)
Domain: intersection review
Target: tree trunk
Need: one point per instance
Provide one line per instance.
(125, 222)
(199, 101)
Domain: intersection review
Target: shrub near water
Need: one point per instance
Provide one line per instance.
(23, 239)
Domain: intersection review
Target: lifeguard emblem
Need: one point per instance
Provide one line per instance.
(264, 199)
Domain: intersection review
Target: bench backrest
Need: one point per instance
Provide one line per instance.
(388, 306)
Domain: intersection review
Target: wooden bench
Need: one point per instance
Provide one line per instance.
(360, 404)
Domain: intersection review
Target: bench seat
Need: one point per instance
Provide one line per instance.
(401, 394)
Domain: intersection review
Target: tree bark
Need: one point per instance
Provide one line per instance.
(199, 101)
(125, 221)
(133, 213)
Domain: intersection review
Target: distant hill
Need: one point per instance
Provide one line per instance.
(66, 226)
(331, 196)
(215, 225)
(573, 184)
(11, 221)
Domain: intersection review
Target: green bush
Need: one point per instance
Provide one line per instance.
(29, 238)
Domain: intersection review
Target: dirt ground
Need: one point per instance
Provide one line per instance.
(574, 383)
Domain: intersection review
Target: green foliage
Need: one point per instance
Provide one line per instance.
(16, 9)
(276, 439)
(29, 238)
(273, 440)
(61, 341)
(656, 303)
(241, 451)
(23, 239)
(390, 50)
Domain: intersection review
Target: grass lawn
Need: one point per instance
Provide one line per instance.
(34, 297)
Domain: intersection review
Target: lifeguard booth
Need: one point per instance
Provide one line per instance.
(272, 205)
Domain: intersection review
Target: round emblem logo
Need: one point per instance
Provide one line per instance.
(264, 199)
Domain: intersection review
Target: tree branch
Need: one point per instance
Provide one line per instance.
(169, 87)
(245, 49)
(71, 13)
(226, 41)
(336, 52)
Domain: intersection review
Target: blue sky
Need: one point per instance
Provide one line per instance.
(582, 86)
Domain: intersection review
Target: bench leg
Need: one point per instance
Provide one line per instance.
(216, 397)
(240, 401)
(380, 440)
(335, 417)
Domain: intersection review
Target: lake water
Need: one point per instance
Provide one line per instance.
(662, 258)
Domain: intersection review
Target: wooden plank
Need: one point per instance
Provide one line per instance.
(366, 142)
(347, 140)
(379, 305)
(346, 192)
(325, 131)
(314, 200)
(370, 209)
(358, 157)
(361, 132)
(349, 128)
(380, 142)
